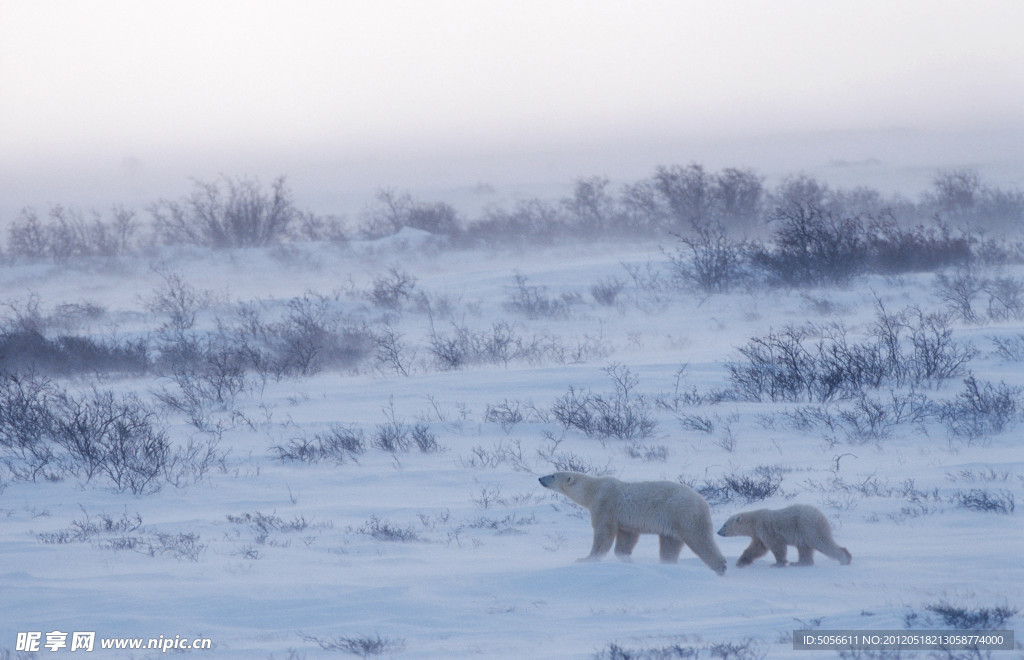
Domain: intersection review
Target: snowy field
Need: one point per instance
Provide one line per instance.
(389, 505)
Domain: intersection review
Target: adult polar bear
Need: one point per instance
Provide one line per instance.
(621, 511)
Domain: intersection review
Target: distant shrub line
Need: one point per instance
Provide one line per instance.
(813, 233)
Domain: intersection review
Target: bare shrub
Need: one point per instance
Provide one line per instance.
(262, 525)
(339, 444)
(747, 649)
(178, 301)
(780, 367)
(620, 414)
(567, 461)
(962, 617)
(116, 436)
(45, 431)
(109, 533)
(393, 437)
(978, 499)
(227, 213)
(982, 409)
(27, 344)
(25, 422)
(934, 354)
(499, 344)
(607, 291)
(1005, 298)
(893, 249)
(529, 221)
(689, 193)
(66, 355)
(393, 211)
(958, 291)
(1010, 348)
(425, 439)
(534, 301)
(85, 530)
(510, 412)
(310, 335)
(763, 483)
(818, 363)
(393, 355)
(868, 419)
(502, 452)
(383, 530)
(392, 290)
(638, 450)
(364, 646)
(812, 246)
(591, 209)
(709, 262)
(206, 372)
(698, 423)
(67, 234)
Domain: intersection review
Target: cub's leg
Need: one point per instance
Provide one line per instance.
(754, 550)
(806, 555)
(624, 543)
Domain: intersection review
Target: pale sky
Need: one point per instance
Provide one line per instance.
(97, 86)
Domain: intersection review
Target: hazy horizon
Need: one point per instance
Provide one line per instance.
(123, 103)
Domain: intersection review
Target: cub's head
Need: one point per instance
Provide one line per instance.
(742, 524)
(566, 483)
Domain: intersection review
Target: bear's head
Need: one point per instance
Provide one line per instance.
(742, 524)
(570, 484)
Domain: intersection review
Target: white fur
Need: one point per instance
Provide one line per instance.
(620, 511)
(801, 525)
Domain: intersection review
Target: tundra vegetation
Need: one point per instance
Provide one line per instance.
(230, 382)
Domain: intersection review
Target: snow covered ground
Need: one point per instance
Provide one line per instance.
(458, 551)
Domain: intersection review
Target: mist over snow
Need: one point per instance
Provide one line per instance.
(299, 440)
(299, 300)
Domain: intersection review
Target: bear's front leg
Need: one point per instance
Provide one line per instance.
(754, 550)
(778, 548)
(604, 535)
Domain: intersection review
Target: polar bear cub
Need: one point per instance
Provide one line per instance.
(801, 525)
(621, 511)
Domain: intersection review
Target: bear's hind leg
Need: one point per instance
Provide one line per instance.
(806, 555)
(830, 549)
(754, 550)
(669, 549)
(624, 543)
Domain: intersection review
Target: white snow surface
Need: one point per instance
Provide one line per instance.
(491, 571)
